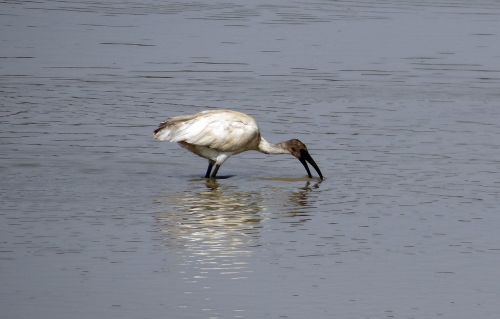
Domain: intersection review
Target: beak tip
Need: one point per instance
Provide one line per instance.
(307, 158)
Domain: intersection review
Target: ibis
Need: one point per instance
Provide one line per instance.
(218, 134)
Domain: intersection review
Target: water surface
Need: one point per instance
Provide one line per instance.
(396, 100)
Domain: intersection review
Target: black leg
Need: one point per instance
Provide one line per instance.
(209, 169)
(214, 173)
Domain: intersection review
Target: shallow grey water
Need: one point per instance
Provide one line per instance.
(398, 102)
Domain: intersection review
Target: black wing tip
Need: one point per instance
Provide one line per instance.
(161, 127)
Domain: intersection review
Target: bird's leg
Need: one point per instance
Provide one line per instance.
(209, 169)
(214, 173)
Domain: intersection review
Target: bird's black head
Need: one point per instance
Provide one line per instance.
(299, 150)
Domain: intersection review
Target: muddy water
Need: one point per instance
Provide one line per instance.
(398, 102)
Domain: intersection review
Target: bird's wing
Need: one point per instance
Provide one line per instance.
(223, 131)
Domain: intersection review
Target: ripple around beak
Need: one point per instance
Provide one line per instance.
(286, 179)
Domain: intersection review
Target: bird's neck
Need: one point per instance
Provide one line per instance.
(270, 148)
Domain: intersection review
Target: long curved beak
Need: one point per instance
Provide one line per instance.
(306, 157)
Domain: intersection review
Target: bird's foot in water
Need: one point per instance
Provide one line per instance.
(220, 177)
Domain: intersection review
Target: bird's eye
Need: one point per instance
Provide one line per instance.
(293, 149)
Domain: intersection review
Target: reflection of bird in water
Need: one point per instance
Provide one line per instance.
(299, 205)
(215, 227)
(218, 134)
(300, 198)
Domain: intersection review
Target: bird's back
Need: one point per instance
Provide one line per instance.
(221, 130)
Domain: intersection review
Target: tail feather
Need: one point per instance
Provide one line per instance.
(160, 127)
(167, 129)
(164, 131)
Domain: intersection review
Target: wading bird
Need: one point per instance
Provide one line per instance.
(218, 134)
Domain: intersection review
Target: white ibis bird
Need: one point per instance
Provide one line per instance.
(218, 134)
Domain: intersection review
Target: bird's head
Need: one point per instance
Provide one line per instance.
(299, 151)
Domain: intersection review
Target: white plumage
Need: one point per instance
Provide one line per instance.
(218, 134)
